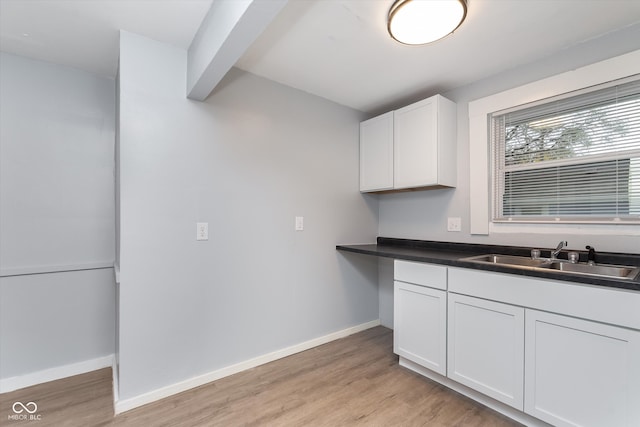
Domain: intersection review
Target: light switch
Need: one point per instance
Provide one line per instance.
(202, 231)
(299, 223)
(454, 224)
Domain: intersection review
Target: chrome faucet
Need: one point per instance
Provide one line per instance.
(556, 251)
(591, 256)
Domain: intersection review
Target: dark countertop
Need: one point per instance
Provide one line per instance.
(451, 254)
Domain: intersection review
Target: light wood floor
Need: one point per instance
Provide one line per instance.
(355, 381)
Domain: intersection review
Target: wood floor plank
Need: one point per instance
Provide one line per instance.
(355, 381)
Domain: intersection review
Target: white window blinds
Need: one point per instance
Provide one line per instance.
(571, 158)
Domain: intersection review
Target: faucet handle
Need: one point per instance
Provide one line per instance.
(556, 251)
(573, 257)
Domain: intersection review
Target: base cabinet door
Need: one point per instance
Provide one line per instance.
(486, 347)
(581, 373)
(420, 325)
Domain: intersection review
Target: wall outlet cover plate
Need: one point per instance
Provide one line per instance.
(454, 224)
(202, 231)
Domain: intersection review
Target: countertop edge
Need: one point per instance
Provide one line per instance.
(452, 258)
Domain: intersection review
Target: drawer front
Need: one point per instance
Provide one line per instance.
(598, 303)
(419, 273)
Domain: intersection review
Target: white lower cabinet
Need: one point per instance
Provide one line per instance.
(581, 373)
(420, 325)
(554, 352)
(486, 347)
(420, 314)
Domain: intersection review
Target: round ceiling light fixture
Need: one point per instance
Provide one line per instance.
(424, 21)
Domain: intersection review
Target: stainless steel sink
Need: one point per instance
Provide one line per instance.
(518, 261)
(562, 266)
(619, 271)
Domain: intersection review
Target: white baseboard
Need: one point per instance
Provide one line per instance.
(51, 374)
(116, 379)
(143, 399)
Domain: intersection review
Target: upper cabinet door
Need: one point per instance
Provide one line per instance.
(416, 144)
(425, 144)
(376, 153)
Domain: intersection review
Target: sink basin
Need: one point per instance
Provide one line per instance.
(620, 271)
(518, 261)
(561, 266)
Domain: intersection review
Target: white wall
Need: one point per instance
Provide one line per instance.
(247, 161)
(385, 292)
(52, 320)
(56, 169)
(56, 211)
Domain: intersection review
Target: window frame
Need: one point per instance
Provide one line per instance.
(496, 174)
(478, 110)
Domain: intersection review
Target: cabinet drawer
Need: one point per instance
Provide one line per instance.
(419, 273)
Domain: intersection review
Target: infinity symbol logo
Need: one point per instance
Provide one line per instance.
(22, 407)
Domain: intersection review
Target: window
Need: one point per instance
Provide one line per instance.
(571, 158)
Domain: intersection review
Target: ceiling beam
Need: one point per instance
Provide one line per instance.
(227, 31)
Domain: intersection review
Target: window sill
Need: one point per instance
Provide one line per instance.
(565, 228)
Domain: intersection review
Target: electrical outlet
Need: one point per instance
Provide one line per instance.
(454, 224)
(299, 223)
(202, 231)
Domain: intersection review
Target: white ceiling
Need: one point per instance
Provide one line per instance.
(84, 33)
(341, 50)
(337, 49)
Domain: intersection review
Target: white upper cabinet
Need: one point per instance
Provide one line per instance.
(376, 153)
(424, 144)
(418, 143)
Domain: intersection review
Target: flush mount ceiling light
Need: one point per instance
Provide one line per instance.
(425, 21)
